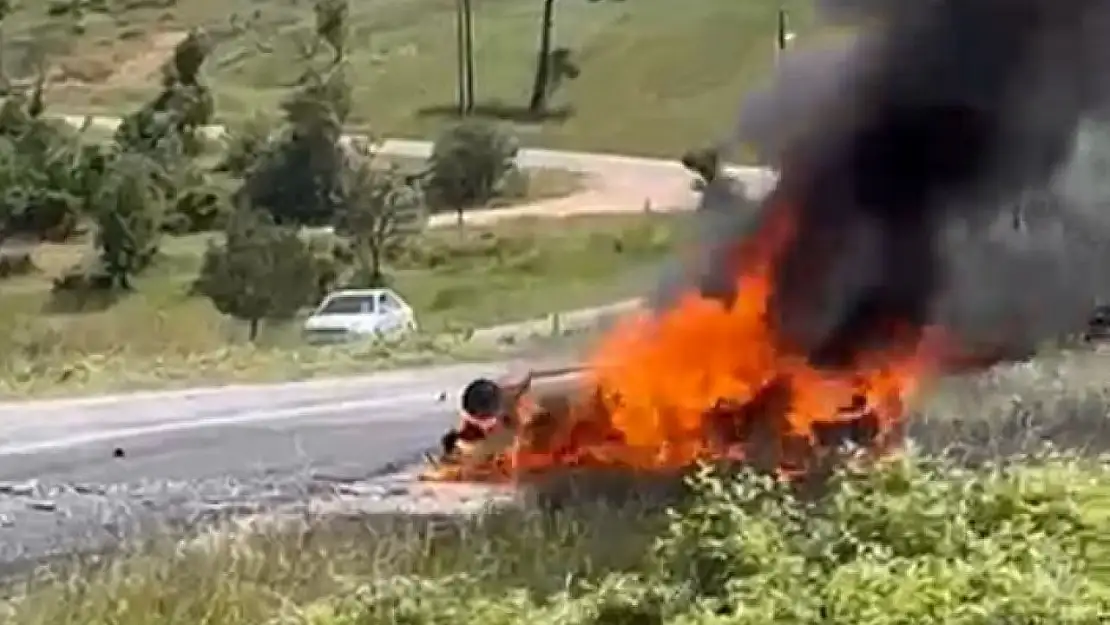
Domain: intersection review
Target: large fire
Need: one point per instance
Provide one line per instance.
(942, 113)
(705, 380)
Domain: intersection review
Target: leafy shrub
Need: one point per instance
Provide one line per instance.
(298, 175)
(245, 144)
(129, 210)
(468, 163)
(41, 170)
(381, 209)
(260, 271)
(907, 541)
(201, 208)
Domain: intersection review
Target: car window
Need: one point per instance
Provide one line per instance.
(387, 302)
(347, 305)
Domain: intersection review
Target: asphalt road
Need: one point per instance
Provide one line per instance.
(190, 455)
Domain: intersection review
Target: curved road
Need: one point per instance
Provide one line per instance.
(615, 183)
(82, 473)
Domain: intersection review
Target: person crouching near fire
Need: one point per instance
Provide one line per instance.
(491, 415)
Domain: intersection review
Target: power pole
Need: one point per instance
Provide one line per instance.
(468, 14)
(783, 34)
(461, 55)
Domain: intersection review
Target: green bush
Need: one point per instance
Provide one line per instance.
(245, 143)
(198, 209)
(910, 541)
(468, 164)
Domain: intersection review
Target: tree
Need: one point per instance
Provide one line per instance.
(128, 207)
(245, 144)
(468, 37)
(331, 26)
(41, 182)
(168, 130)
(553, 65)
(6, 8)
(169, 126)
(261, 271)
(462, 52)
(9, 181)
(297, 177)
(468, 162)
(538, 101)
(381, 208)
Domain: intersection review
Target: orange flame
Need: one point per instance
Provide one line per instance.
(704, 380)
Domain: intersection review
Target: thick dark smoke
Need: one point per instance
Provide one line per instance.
(935, 176)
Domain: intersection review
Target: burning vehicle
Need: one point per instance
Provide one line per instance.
(874, 266)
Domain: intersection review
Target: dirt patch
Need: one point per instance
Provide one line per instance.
(603, 192)
(122, 63)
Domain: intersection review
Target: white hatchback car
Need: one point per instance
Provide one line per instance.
(359, 313)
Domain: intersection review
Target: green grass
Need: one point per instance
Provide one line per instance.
(162, 335)
(595, 563)
(656, 77)
(912, 540)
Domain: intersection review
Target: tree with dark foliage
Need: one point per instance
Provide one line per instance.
(381, 208)
(261, 271)
(170, 124)
(298, 175)
(42, 164)
(468, 162)
(331, 26)
(128, 209)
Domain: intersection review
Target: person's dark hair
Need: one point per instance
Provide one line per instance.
(482, 397)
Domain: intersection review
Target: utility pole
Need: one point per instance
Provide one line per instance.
(461, 55)
(783, 35)
(468, 14)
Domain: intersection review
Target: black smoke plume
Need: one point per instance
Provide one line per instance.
(934, 176)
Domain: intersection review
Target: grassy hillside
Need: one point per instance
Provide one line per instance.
(674, 71)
